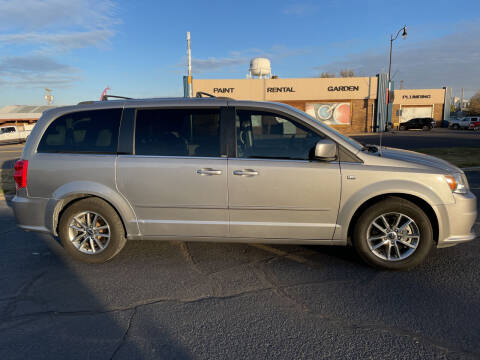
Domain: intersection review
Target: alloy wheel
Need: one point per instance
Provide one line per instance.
(393, 236)
(89, 232)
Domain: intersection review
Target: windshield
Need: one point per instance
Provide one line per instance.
(347, 139)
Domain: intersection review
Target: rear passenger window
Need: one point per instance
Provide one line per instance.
(93, 131)
(178, 133)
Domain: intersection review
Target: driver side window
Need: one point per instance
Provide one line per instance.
(270, 136)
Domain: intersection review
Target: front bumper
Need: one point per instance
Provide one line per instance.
(456, 221)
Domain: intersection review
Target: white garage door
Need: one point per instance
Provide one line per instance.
(415, 112)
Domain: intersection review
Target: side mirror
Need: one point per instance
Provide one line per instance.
(326, 150)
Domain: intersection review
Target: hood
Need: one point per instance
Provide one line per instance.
(420, 160)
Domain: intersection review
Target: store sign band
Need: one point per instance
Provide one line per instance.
(286, 89)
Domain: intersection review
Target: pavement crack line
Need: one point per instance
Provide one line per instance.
(279, 290)
(125, 334)
(22, 294)
(189, 257)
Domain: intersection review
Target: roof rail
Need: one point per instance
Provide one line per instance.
(201, 93)
(106, 97)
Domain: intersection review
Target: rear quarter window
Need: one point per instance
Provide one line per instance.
(94, 131)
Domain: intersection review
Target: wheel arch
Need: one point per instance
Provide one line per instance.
(423, 204)
(72, 192)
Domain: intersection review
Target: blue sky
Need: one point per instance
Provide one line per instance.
(138, 48)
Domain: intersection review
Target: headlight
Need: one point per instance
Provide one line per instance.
(458, 183)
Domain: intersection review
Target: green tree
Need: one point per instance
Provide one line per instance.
(327, 75)
(347, 73)
(474, 107)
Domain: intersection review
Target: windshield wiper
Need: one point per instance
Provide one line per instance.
(370, 148)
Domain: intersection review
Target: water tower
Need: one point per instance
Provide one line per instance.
(260, 68)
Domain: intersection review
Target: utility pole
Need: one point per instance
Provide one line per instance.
(189, 71)
(48, 96)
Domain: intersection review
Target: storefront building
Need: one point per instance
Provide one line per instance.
(350, 105)
(347, 104)
(21, 114)
(418, 103)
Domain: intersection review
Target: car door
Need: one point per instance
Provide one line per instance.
(275, 191)
(176, 178)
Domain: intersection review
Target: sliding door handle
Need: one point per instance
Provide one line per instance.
(245, 172)
(209, 171)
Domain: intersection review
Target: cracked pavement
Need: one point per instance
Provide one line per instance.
(174, 300)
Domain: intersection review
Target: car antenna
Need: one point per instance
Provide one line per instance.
(380, 142)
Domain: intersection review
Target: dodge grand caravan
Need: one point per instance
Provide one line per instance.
(210, 169)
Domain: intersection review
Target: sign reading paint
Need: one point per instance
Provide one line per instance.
(330, 113)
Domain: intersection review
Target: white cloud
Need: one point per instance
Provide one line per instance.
(299, 9)
(51, 42)
(32, 29)
(57, 25)
(35, 70)
(44, 14)
(240, 58)
(452, 60)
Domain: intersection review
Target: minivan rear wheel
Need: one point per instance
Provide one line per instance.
(393, 234)
(91, 231)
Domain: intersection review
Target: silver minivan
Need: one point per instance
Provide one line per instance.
(211, 169)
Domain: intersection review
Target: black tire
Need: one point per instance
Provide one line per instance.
(402, 128)
(426, 128)
(117, 238)
(392, 205)
(455, 127)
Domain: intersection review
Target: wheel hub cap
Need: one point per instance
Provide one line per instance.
(393, 236)
(89, 232)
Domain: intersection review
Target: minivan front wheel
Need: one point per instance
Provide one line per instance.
(91, 231)
(393, 234)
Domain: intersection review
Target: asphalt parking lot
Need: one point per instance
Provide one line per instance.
(174, 300)
(415, 139)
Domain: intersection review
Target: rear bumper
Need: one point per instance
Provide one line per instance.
(30, 213)
(456, 221)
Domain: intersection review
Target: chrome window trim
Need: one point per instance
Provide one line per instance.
(285, 160)
(172, 157)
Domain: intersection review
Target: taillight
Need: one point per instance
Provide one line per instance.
(20, 174)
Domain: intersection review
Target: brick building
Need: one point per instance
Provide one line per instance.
(349, 105)
(418, 103)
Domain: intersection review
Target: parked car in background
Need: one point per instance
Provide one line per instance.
(418, 123)
(101, 173)
(13, 134)
(461, 123)
(475, 124)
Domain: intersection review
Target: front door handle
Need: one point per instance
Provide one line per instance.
(209, 171)
(245, 172)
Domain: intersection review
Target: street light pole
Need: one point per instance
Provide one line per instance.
(392, 39)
